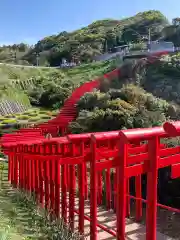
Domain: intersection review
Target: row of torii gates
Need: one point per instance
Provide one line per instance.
(72, 173)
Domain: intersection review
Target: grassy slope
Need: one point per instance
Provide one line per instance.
(20, 219)
(9, 74)
(14, 79)
(14, 220)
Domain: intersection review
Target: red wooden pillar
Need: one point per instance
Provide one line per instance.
(100, 188)
(46, 182)
(81, 178)
(115, 189)
(20, 167)
(152, 177)
(128, 211)
(93, 192)
(12, 167)
(23, 173)
(52, 193)
(32, 175)
(64, 186)
(57, 188)
(72, 188)
(64, 192)
(9, 167)
(14, 170)
(41, 180)
(15, 178)
(20, 172)
(37, 185)
(121, 190)
(29, 170)
(27, 173)
(72, 196)
(86, 180)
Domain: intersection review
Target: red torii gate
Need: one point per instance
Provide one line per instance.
(95, 148)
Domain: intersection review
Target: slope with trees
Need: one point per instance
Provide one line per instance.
(14, 53)
(84, 44)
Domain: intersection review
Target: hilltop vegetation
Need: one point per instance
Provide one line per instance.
(87, 42)
(97, 38)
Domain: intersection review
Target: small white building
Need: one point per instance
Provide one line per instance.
(157, 46)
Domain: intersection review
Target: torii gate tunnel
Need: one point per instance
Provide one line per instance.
(61, 170)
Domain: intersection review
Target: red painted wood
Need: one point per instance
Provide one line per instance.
(121, 191)
(64, 192)
(175, 171)
(81, 178)
(41, 182)
(128, 210)
(152, 176)
(57, 188)
(132, 160)
(52, 186)
(93, 193)
(46, 183)
(72, 193)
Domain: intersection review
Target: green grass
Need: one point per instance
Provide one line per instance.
(15, 75)
(21, 219)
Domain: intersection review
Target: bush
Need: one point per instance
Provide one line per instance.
(94, 99)
(44, 117)
(6, 121)
(33, 114)
(44, 112)
(23, 117)
(128, 107)
(34, 119)
(10, 116)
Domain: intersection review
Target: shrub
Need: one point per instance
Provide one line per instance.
(10, 116)
(33, 114)
(6, 121)
(23, 117)
(94, 99)
(128, 107)
(44, 117)
(44, 112)
(34, 119)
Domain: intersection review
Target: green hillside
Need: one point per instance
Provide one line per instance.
(87, 42)
(54, 85)
(144, 96)
(97, 38)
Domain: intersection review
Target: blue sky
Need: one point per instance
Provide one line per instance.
(31, 20)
